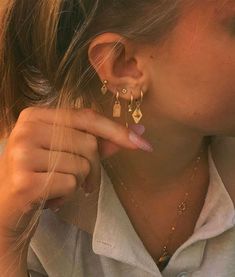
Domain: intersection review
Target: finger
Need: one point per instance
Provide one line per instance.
(82, 144)
(89, 121)
(60, 185)
(107, 148)
(63, 162)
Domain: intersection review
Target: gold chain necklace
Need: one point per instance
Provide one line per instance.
(182, 207)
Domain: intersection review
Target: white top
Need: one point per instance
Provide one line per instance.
(113, 249)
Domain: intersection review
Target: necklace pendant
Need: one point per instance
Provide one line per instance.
(137, 115)
(164, 260)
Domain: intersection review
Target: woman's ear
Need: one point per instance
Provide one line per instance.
(113, 58)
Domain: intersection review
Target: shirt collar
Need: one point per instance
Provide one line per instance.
(217, 216)
(115, 237)
(218, 213)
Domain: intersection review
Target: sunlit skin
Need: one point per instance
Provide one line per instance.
(189, 92)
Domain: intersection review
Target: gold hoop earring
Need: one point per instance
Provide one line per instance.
(104, 88)
(117, 106)
(130, 106)
(137, 114)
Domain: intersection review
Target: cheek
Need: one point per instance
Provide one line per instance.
(197, 81)
(198, 91)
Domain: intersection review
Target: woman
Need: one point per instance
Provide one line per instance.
(132, 102)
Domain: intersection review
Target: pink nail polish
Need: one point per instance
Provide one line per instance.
(139, 129)
(140, 142)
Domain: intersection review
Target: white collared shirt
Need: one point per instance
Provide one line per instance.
(59, 249)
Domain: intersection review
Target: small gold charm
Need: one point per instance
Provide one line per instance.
(104, 88)
(164, 259)
(117, 110)
(137, 115)
(117, 107)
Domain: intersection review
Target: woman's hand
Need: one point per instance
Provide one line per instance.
(24, 162)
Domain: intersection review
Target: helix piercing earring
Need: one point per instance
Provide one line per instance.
(104, 88)
(117, 106)
(137, 114)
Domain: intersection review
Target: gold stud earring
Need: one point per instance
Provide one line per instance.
(124, 91)
(104, 88)
(117, 106)
(137, 114)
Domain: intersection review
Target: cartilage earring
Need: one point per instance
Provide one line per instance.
(117, 106)
(130, 106)
(137, 114)
(104, 88)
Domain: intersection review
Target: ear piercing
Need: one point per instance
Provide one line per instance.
(124, 91)
(104, 88)
(117, 108)
(130, 105)
(137, 114)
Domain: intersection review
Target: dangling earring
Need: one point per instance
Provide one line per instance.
(117, 106)
(104, 88)
(130, 106)
(137, 114)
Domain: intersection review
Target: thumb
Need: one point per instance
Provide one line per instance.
(108, 148)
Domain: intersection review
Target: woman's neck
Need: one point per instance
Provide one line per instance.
(163, 170)
(176, 147)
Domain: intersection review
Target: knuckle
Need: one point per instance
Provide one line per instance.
(26, 113)
(22, 133)
(92, 143)
(19, 156)
(86, 167)
(20, 183)
(84, 170)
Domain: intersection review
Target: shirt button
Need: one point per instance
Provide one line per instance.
(182, 274)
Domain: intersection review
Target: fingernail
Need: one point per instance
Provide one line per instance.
(140, 142)
(137, 128)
